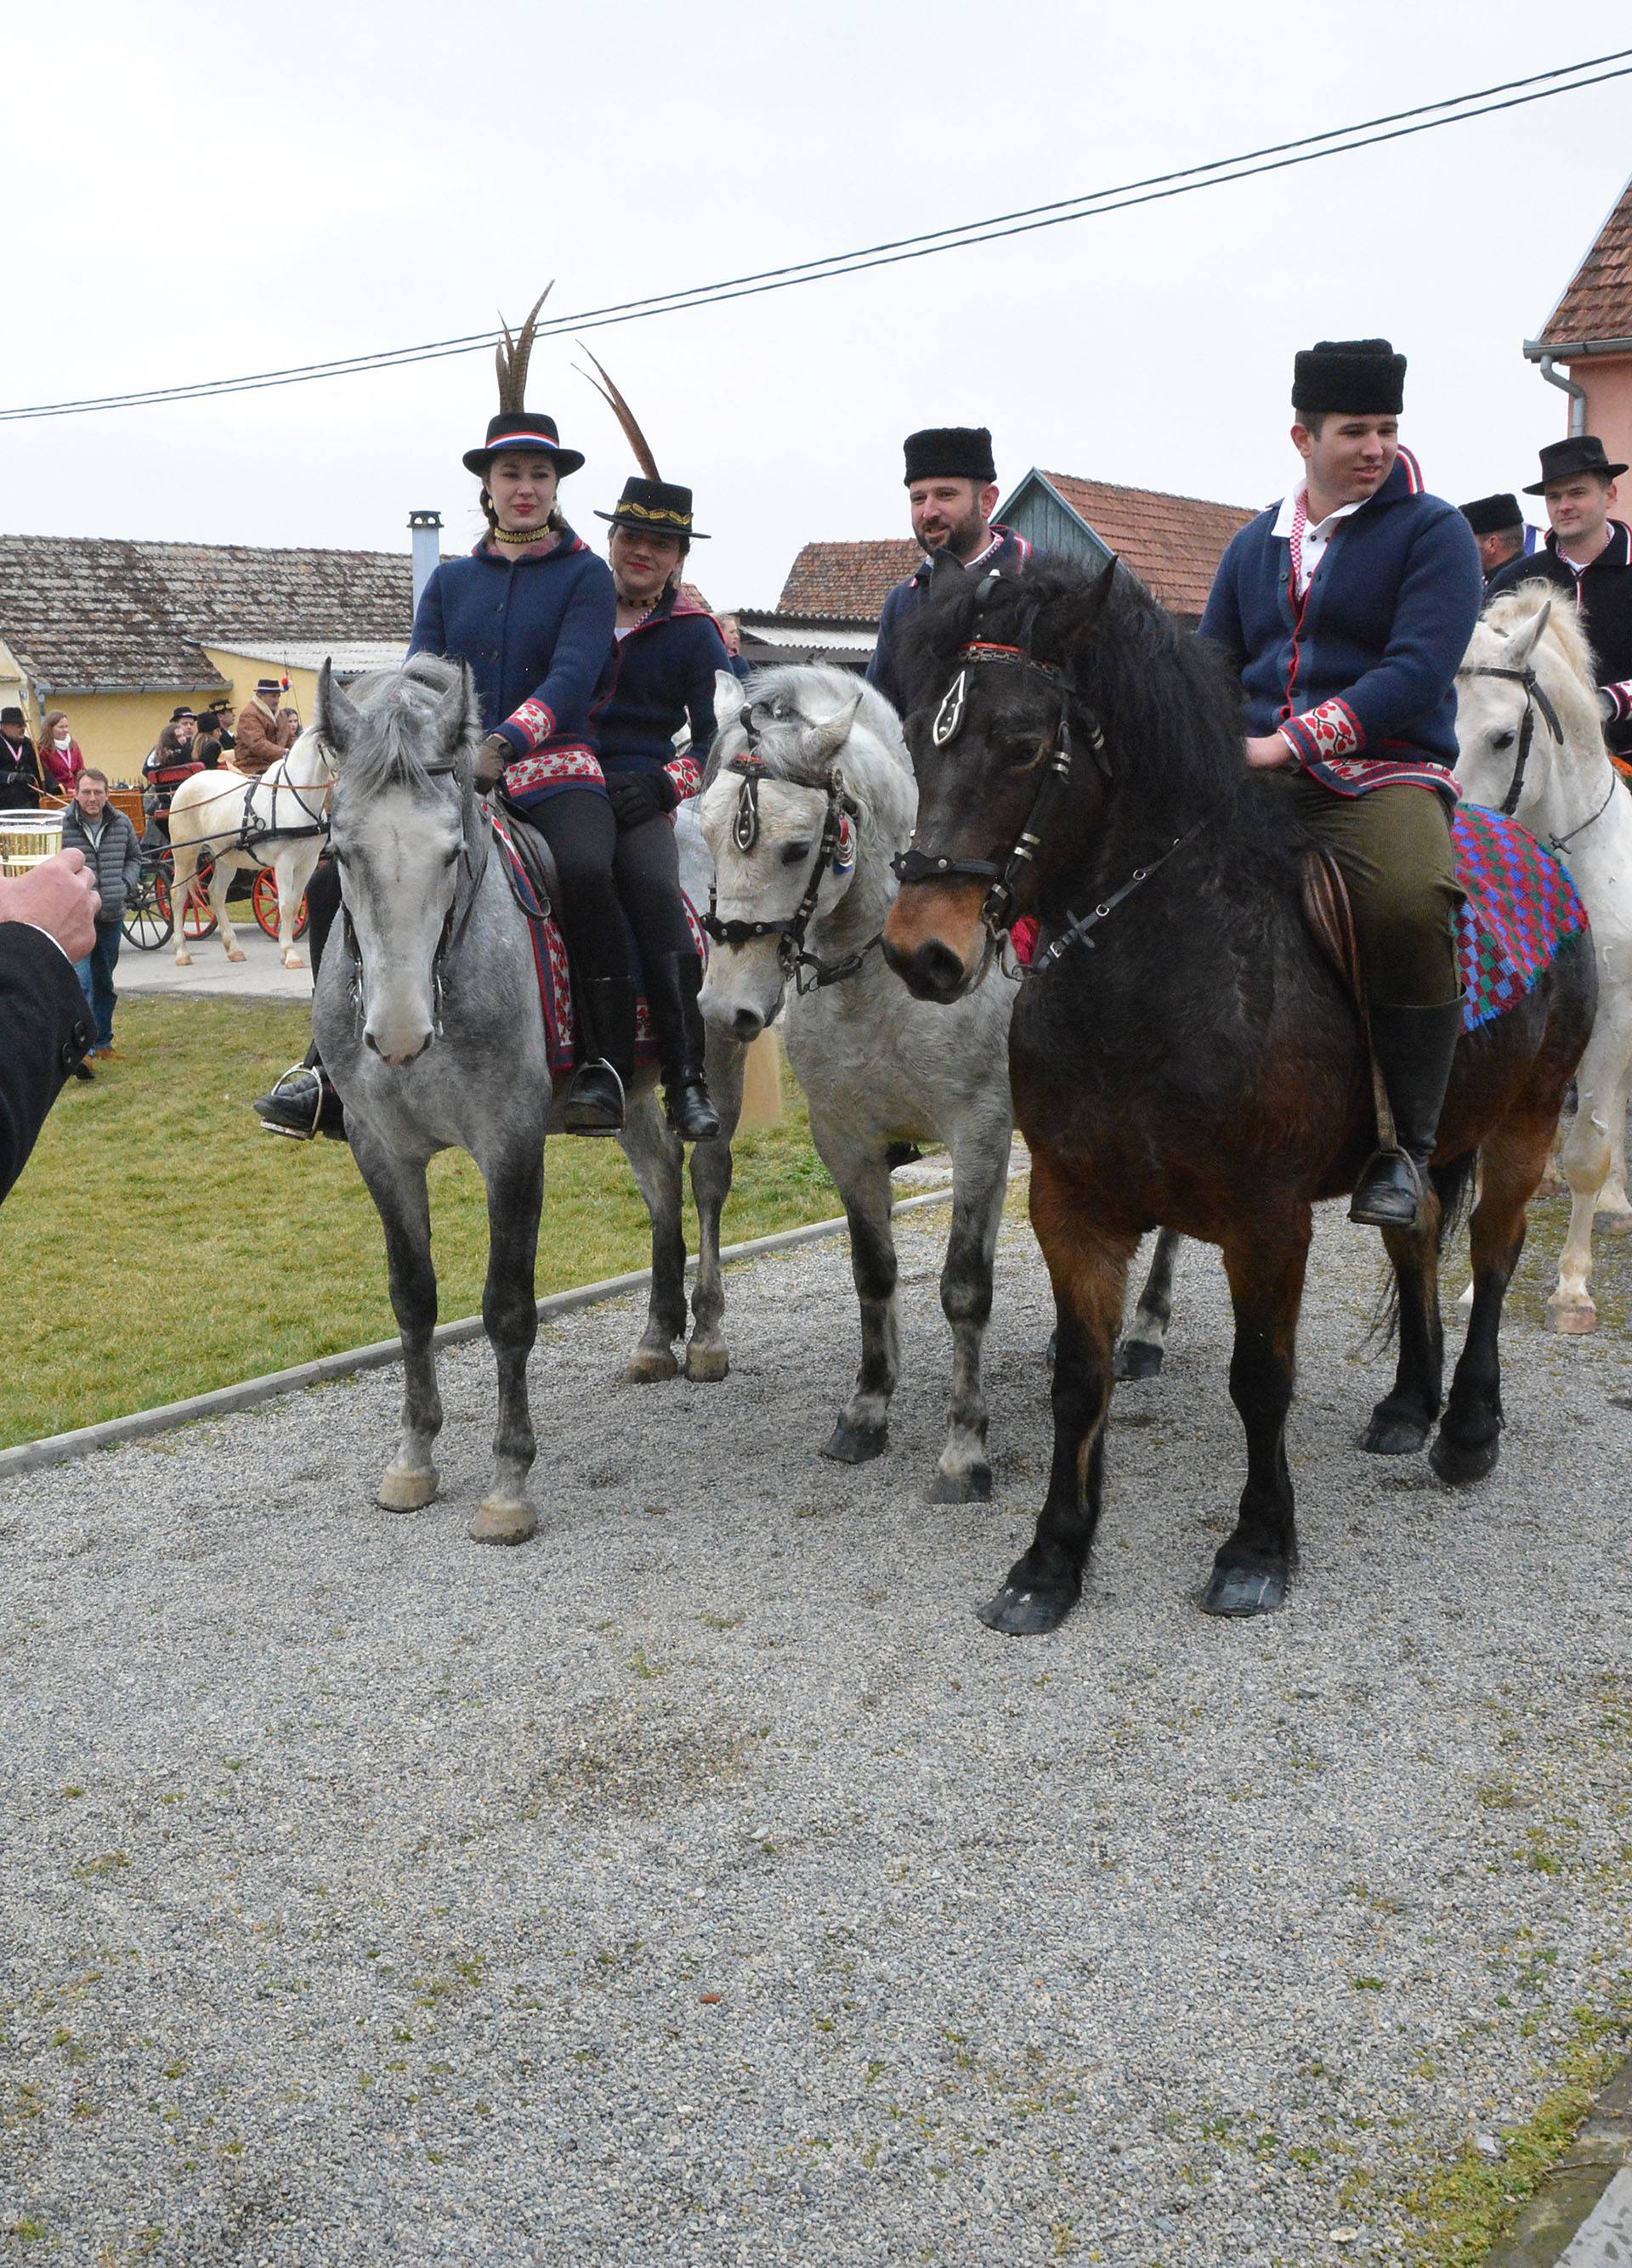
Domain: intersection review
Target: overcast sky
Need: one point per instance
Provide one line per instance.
(199, 191)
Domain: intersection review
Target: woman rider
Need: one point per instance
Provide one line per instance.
(662, 678)
(532, 611)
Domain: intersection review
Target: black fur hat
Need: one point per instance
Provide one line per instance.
(1352, 378)
(949, 452)
(1493, 515)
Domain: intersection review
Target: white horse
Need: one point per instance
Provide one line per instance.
(805, 805)
(1570, 795)
(244, 824)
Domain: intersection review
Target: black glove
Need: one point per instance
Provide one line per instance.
(491, 759)
(636, 796)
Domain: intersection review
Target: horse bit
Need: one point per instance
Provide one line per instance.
(836, 847)
(1536, 697)
(1001, 906)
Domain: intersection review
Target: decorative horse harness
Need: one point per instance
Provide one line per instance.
(1536, 697)
(836, 847)
(1001, 906)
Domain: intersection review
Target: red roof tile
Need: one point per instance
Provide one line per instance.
(850, 581)
(1598, 304)
(1172, 543)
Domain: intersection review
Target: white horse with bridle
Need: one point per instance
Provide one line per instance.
(808, 797)
(279, 820)
(1530, 744)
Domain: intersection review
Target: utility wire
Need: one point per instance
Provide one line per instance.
(1156, 188)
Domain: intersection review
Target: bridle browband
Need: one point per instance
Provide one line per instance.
(842, 810)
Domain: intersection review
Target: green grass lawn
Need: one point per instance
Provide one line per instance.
(159, 1243)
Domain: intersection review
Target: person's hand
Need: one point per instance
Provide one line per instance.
(636, 797)
(60, 897)
(1271, 753)
(490, 760)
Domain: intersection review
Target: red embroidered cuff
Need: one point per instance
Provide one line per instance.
(687, 774)
(1331, 730)
(531, 775)
(530, 727)
(1622, 695)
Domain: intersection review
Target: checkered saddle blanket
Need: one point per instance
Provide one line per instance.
(1520, 905)
(554, 970)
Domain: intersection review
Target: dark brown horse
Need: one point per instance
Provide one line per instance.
(1182, 1053)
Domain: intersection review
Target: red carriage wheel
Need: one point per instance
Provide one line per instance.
(263, 897)
(198, 921)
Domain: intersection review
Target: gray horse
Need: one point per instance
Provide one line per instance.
(427, 1016)
(804, 805)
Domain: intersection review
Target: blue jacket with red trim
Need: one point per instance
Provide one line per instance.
(1365, 669)
(1010, 556)
(660, 677)
(535, 632)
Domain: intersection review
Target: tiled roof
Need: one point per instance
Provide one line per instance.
(1172, 543)
(850, 581)
(81, 611)
(1598, 304)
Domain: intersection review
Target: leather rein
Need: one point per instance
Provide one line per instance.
(1001, 906)
(839, 822)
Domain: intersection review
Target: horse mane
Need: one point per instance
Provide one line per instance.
(1167, 700)
(389, 749)
(1572, 685)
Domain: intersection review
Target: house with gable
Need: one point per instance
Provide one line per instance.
(1589, 335)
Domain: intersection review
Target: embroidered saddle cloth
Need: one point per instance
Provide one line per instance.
(554, 970)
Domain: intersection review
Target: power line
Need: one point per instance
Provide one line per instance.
(1089, 205)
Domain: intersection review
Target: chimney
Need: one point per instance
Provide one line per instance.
(426, 527)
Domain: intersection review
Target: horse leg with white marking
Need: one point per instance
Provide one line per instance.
(397, 1186)
(707, 1360)
(515, 1189)
(1588, 1162)
(293, 864)
(1144, 1342)
(656, 1158)
(979, 1181)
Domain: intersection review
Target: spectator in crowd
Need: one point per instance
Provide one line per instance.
(20, 767)
(61, 762)
(222, 729)
(207, 747)
(47, 923)
(107, 839)
(265, 732)
(1498, 526)
(171, 763)
(1590, 555)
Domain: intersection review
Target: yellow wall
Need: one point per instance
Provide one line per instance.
(114, 730)
(240, 674)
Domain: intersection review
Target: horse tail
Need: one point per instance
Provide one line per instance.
(1454, 1186)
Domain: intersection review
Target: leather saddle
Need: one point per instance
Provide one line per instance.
(1331, 920)
(538, 860)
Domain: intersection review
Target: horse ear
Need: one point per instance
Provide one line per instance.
(1099, 597)
(453, 713)
(729, 695)
(822, 742)
(1525, 642)
(337, 714)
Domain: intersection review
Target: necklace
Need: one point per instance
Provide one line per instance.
(516, 537)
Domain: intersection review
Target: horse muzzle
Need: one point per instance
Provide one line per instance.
(396, 1047)
(935, 938)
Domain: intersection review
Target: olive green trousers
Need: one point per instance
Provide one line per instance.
(1394, 848)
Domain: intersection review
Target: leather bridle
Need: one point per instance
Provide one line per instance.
(1535, 697)
(837, 830)
(455, 923)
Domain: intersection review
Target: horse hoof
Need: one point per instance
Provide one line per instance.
(404, 1491)
(1394, 1437)
(649, 1366)
(855, 1445)
(1237, 1592)
(294, 961)
(234, 953)
(502, 1520)
(969, 1485)
(184, 961)
(1029, 1610)
(1613, 1224)
(1459, 1463)
(1138, 1358)
(706, 1366)
(1574, 1317)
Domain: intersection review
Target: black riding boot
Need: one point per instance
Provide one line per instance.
(1415, 1047)
(672, 984)
(304, 1102)
(596, 1099)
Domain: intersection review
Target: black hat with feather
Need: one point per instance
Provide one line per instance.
(516, 426)
(650, 505)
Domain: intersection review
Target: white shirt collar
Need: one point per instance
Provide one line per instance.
(1288, 512)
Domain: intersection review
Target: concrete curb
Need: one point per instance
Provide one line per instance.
(1581, 2215)
(113, 1433)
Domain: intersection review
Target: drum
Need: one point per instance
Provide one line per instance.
(26, 838)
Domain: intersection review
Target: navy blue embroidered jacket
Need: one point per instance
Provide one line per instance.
(536, 632)
(1010, 556)
(660, 677)
(1360, 678)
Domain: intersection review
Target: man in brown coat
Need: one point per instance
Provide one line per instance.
(265, 732)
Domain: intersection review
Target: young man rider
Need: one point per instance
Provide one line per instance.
(951, 487)
(1589, 554)
(1345, 612)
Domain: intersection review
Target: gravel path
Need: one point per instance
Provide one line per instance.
(703, 1884)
